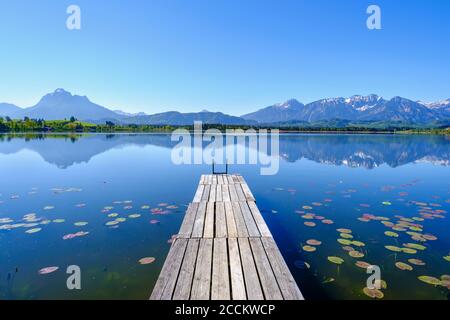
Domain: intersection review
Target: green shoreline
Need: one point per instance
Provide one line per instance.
(74, 126)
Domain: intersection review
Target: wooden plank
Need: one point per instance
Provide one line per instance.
(241, 179)
(236, 274)
(220, 286)
(268, 281)
(225, 179)
(248, 194)
(233, 194)
(249, 221)
(225, 193)
(221, 221)
(199, 193)
(214, 179)
(184, 283)
(165, 284)
(236, 179)
(209, 179)
(230, 179)
(286, 281)
(212, 194)
(259, 220)
(188, 222)
(208, 231)
(197, 230)
(252, 284)
(219, 179)
(239, 219)
(203, 179)
(240, 192)
(231, 223)
(206, 191)
(202, 277)
(219, 192)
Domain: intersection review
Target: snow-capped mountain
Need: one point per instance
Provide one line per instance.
(364, 108)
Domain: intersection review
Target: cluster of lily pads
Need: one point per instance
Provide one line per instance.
(398, 227)
(32, 223)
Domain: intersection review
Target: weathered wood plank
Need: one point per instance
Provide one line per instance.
(252, 284)
(184, 283)
(231, 223)
(240, 193)
(199, 193)
(220, 286)
(286, 282)
(248, 194)
(219, 193)
(165, 284)
(249, 221)
(188, 222)
(221, 221)
(230, 179)
(233, 194)
(206, 191)
(199, 223)
(208, 231)
(202, 278)
(268, 281)
(225, 193)
(259, 220)
(212, 194)
(236, 274)
(239, 219)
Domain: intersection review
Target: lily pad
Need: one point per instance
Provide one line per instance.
(309, 248)
(358, 243)
(403, 266)
(336, 260)
(416, 262)
(391, 234)
(344, 242)
(373, 293)
(362, 264)
(313, 242)
(80, 224)
(346, 236)
(147, 260)
(356, 254)
(134, 216)
(310, 224)
(409, 251)
(34, 230)
(414, 246)
(393, 248)
(430, 280)
(48, 270)
(447, 258)
(342, 230)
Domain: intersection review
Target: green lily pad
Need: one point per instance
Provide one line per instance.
(309, 248)
(342, 230)
(313, 242)
(346, 236)
(356, 254)
(387, 203)
(403, 266)
(358, 243)
(34, 230)
(430, 280)
(336, 260)
(80, 224)
(409, 250)
(344, 242)
(393, 248)
(416, 262)
(414, 246)
(134, 216)
(391, 234)
(447, 258)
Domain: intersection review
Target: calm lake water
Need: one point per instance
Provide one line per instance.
(61, 196)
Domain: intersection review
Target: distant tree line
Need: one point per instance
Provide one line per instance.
(73, 125)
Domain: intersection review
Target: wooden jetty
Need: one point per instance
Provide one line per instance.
(224, 249)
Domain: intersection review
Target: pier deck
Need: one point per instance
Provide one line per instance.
(224, 249)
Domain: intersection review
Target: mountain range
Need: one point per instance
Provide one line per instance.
(62, 105)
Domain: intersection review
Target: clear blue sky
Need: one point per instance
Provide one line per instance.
(229, 55)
